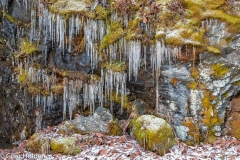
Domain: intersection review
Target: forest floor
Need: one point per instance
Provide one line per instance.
(96, 146)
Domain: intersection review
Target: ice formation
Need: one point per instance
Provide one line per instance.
(61, 30)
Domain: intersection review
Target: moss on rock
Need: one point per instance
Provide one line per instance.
(36, 143)
(114, 128)
(27, 47)
(115, 33)
(65, 145)
(153, 133)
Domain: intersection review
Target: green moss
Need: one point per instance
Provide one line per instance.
(101, 13)
(220, 14)
(115, 33)
(36, 143)
(132, 30)
(65, 145)
(213, 50)
(114, 129)
(160, 140)
(23, 78)
(27, 47)
(161, 34)
(117, 67)
(95, 77)
(219, 70)
(117, 99)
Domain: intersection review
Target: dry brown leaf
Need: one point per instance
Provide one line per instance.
(129, 146)
(237, 149)
(232, 157)
(102, 152)
(99, 135)
(111, 144)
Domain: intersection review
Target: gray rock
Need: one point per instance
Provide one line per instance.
(101, 121)
(181, 74)
(182, 132)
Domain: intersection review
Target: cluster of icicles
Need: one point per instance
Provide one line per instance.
(94, 91)
(100, 91)
(60, 31)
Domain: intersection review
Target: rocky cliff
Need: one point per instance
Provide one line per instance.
(176, 59)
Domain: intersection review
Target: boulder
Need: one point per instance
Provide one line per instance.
(38, 143)
(153, 133)
(65, 145)
(101, 121)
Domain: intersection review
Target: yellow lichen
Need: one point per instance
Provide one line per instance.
(193, 85)
(213, 50)
(194, 73)
(219, 70)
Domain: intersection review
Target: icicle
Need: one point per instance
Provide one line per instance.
(94, 33)
(65, 96)
(33, 25)
(38, 115)
(44, 103)
(72, 98)
(71, 31)
(134, 48)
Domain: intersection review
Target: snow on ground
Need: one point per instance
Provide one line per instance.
(96, 146)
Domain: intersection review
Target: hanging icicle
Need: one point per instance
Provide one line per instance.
(134, 49)
(65, 97)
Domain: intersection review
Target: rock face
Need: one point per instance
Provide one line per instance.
(153, 133)
(101, 121)
(67, 56)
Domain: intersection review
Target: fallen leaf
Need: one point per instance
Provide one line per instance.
(99, 135)
(102, 152)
